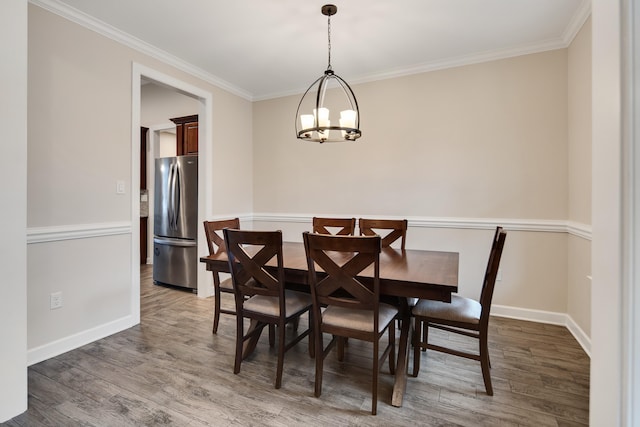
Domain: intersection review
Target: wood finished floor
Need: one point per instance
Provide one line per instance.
(170, 370)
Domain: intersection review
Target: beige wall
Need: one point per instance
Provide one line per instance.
(485, 141)
(579, 166)
(579, 119)
(465, 142)
(80, 144)
(79, 124)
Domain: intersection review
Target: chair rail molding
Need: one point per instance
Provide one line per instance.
(57, 233)
(76, 231)
(83, 231)
(510, 224)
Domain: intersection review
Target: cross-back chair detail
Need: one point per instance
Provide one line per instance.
(215, 242)
(260, 293)
(396, 229)
(463, 316)
(344, 226)
(352, 307)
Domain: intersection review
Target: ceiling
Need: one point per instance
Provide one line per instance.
(261, 49)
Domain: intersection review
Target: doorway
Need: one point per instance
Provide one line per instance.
(204, 100)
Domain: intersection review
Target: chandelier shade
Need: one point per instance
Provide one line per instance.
(328, 110)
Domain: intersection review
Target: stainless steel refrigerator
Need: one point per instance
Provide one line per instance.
(175, 227)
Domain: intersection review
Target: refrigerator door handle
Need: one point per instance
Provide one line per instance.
(176, 192)
(174, 242)
(171, 196)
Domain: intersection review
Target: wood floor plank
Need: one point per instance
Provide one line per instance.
(171, 370)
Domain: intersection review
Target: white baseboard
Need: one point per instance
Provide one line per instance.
(582, 338)
(72, 342)
(549, 317)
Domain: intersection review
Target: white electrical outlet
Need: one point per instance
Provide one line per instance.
(55, 300)
(499, 275)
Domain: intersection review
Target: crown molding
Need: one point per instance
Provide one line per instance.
(93, 24)
(106, 30)
(463, 60)
(561, 42)
(452, 62)
(576, 23)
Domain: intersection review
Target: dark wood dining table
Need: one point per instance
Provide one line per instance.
(404, 274)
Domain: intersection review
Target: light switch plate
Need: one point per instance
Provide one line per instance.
(56, 300)
(120, 189)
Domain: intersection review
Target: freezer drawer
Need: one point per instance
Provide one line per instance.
(175, 262)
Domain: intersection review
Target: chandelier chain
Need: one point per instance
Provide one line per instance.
(329, 40)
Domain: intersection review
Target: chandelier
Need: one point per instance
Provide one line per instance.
(317, 108)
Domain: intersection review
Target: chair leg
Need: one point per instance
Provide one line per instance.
(281, 344)
(239, 343)
(392, 343)
(319, 352)
(484, 363)
(417, 345)
(216, 309)
(312, 336)
(341, 341)
(272, 335)
(374, 386)
(425, 337)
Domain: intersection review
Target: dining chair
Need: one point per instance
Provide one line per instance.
(390, 231)
(393, 230)
(215, 241)
(344, 305)
(260, 293)
(341, 226)
(463, 316)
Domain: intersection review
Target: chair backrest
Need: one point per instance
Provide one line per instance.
(248, 253)
(397, 227)
(344, 226)
(342, 259)
(213, 231)
(491, 273)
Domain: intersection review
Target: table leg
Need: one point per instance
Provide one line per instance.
(400, 385)
(251, 343)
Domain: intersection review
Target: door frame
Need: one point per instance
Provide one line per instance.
(205, 184)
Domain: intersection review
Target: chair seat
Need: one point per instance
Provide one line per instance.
(460, 309)
(359, 320)
(270, 306)
(227, 285)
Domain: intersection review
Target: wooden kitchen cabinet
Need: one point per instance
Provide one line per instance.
(186, 134)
